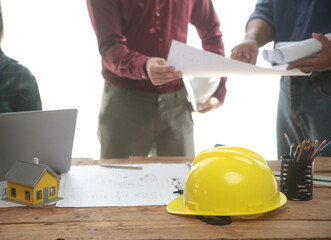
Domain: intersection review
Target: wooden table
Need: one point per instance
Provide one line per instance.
(295, 220)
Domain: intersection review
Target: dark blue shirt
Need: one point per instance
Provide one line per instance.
(295, 20)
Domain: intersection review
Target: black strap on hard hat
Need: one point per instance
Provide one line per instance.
(217, 220)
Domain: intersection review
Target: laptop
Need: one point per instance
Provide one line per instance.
(46, 135)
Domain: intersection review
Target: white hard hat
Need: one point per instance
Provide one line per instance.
(200, 89)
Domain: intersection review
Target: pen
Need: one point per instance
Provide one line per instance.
(246, 56)
(291, 151)
(120, 166)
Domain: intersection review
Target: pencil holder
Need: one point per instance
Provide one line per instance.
(296, 179)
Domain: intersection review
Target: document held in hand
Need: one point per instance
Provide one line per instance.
(288, 52)
(194, 62)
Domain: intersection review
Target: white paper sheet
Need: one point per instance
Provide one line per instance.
(6, 204)
(190, 93)
(282, 44)
(287, 52)
(96, 186)
(194, 62)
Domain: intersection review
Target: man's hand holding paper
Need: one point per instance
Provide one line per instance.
(159, 72)
(319, 63)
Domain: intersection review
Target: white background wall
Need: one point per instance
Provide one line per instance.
(55, 40)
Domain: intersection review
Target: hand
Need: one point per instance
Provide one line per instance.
(246, 51)
(159, 72)
(316, 64)
(210, 105)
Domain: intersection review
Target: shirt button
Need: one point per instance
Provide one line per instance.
(143, 76)
(160, 39)
(158, 14)
(159, 99)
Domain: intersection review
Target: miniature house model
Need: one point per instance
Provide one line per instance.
(32, 184)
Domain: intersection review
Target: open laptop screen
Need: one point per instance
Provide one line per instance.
(46, 135)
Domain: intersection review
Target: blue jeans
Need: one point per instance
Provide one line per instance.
(304, 111)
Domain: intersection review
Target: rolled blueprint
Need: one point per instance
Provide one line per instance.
(288, 52)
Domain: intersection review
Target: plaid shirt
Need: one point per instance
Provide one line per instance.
(18, 87)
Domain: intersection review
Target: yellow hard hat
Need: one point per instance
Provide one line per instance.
(226, 150)
(228, 181)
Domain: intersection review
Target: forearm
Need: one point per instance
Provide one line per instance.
(113, 46)
(259, 31)
(124, 63)
(220, 93)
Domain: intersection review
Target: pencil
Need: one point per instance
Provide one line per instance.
(301, 150)
(291, 151)
(308, 142)
(296, 152)
(120, 166)
(312, 147)
(304, 153)
(287, 139)
(318, 149)
(323, 148)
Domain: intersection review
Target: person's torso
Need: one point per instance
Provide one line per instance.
(18, 87)
(150, 25)
(296, 20)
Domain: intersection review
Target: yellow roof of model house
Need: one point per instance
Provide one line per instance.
(27, 173)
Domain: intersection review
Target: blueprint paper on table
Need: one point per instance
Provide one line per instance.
(194, 62)
(288, 52)
(97, 186)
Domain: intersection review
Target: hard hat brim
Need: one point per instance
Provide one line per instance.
(177, 206)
